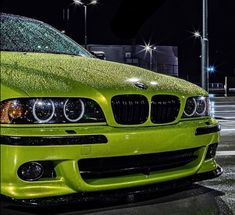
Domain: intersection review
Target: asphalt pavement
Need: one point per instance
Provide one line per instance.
(223, 108)
(211, 197)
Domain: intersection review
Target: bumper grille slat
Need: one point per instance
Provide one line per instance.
(142, 164)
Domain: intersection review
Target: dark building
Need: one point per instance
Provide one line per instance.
(162, 59)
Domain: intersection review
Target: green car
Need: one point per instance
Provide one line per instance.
(74, 124)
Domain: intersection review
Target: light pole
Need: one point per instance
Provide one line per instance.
(205, 67)
(78, 2)
(204, 60)
(66, 17)
(149, 49)
(204, 46)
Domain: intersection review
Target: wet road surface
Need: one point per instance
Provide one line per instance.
(211, 197)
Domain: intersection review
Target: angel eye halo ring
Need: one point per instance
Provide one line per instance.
(74, 109)
(190, 108)
(201, 106)
(43, 110)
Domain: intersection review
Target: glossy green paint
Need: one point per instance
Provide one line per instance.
(56, 74)
(53, 75)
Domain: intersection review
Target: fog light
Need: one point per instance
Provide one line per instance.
(211, 151)
(31, 171)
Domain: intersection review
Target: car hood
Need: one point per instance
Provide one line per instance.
(40, 74)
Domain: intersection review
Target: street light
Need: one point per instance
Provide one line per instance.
(197, 34)
(149, 49)
(211, 69)
(79, 2)
(94, 2)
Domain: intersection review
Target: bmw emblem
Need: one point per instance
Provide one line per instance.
(141, 85)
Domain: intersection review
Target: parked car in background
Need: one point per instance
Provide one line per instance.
(99, 54)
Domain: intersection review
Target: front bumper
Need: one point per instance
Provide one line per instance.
(120, 142)
(117, 195)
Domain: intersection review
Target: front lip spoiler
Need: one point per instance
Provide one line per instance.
(82, 198)
(208, 130)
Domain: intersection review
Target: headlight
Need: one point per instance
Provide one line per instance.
(50, 110)
(196, 107)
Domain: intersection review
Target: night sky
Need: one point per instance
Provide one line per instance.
(163, 22)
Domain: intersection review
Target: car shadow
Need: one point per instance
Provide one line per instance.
(190, 199)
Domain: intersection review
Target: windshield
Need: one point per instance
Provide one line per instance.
(28, 35)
